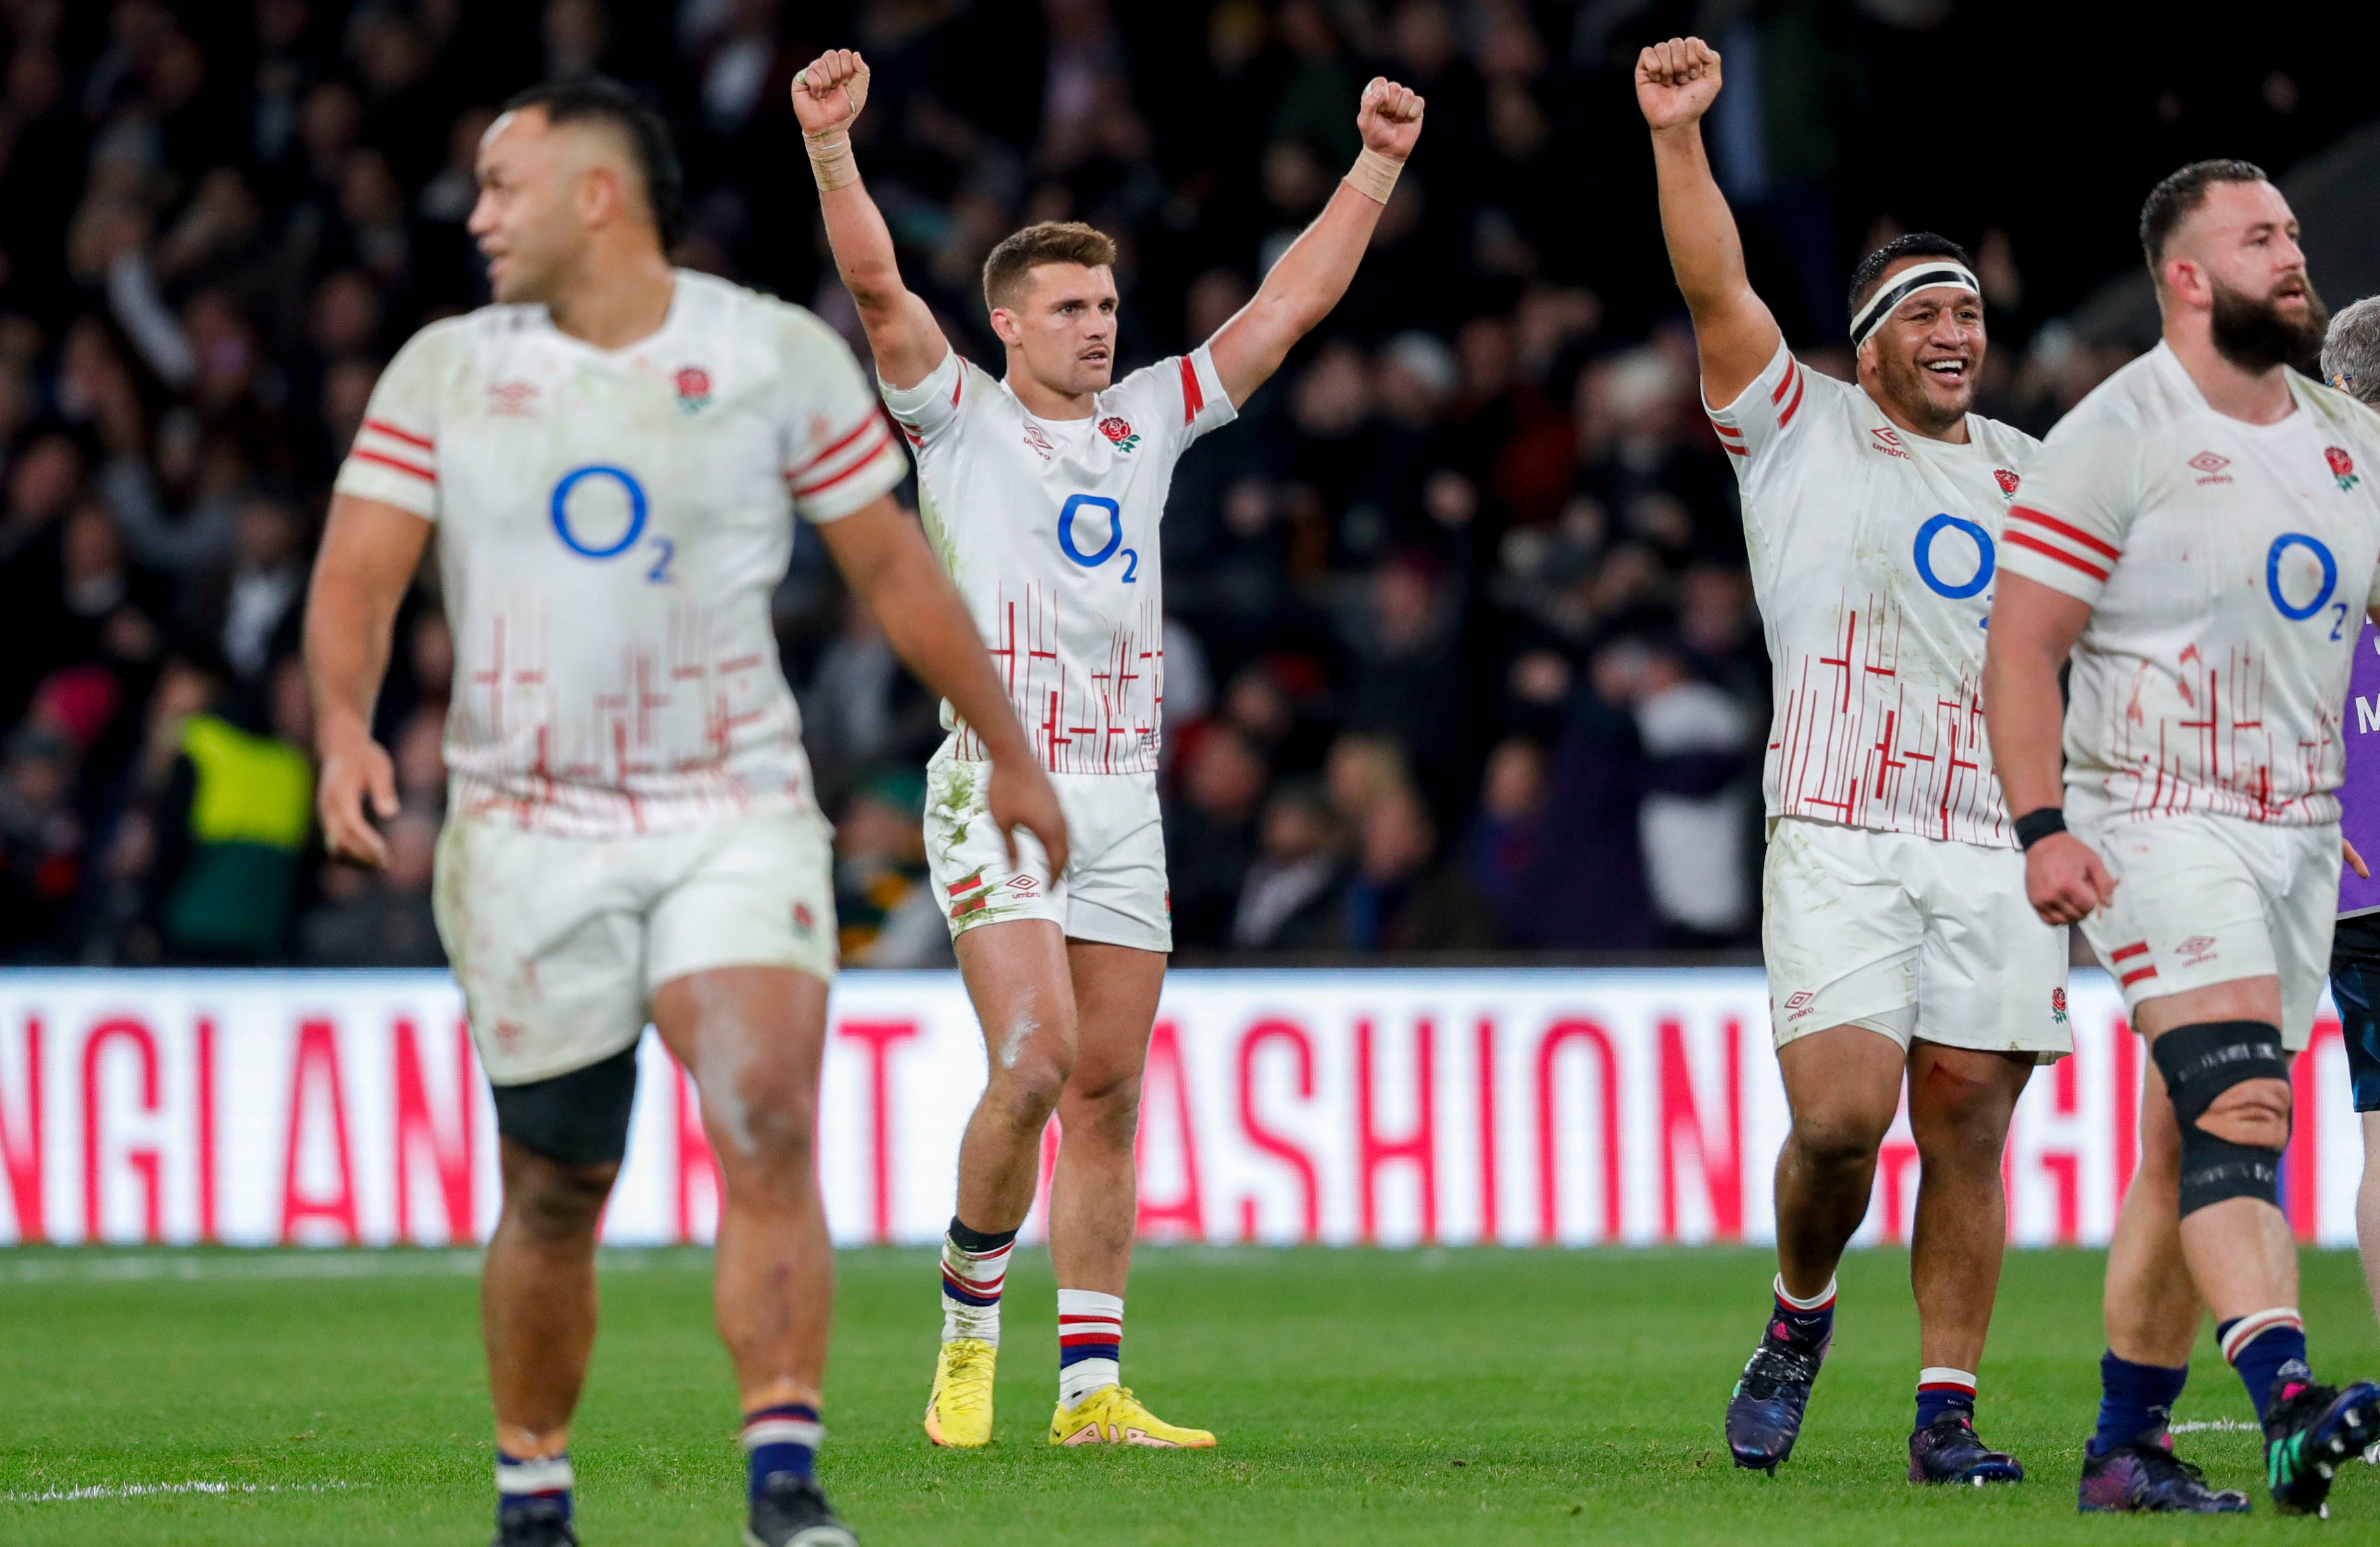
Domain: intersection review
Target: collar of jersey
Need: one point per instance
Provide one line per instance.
(626, 351)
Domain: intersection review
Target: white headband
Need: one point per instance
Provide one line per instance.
(1925, 276)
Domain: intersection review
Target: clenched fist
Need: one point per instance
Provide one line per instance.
(1676, 80)
(829, 93)
(1389, 120)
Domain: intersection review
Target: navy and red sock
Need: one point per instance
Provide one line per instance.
(2268, 1350)
(781, 1440)
(2135, 1402)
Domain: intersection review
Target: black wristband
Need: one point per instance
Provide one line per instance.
(2035, 825)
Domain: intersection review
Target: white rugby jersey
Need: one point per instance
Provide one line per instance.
(610, 524)
(2227, 566)
(1873, 553)
(1048, 526)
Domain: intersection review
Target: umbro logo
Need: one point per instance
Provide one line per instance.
(1799, 1005)
(1887, 441)
(1039, 442)
(2210, 467)
(512, 397)
(2198, 948)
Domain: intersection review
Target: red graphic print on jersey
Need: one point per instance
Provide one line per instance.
(2007, 480)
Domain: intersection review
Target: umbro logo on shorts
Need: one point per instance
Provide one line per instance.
(2197, 949)
(1799, 1004)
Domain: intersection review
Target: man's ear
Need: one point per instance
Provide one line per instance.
(2187, 281)
(601, 195)
(1004, 326)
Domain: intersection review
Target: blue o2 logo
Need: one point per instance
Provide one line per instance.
(1934, 528)
(567, 527)
(1077, 505)
(2281, 545)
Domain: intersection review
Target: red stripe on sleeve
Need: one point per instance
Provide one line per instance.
(958, 383)
(2072, 534)
(408, 437)
(857, 430)
(1792, 374)
(2060, 554)
(423, 473)
(883, 443)
(1193, 400)
(1794, 407)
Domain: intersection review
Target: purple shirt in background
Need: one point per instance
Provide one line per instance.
(2359, 796)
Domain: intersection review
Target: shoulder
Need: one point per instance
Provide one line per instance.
(745, 314)
(2134, 401)
(2341, 414)
(466, 335)
(2005, 442)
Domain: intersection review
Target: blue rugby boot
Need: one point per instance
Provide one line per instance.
(2145, 1477)
(2308, 1433)
(1948, 1450)
(1764, 1415)
(791, 1512)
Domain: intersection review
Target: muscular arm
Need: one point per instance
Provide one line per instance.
(900, 328)
(2033, 629)
(1735, 335)
(370, 553)
(882, 553)
(1310, 277)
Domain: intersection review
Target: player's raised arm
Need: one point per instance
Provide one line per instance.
(1676, 82)
(1308, 279)
(2033, 628)
(370, 553)
(900, 329)
(885, 556)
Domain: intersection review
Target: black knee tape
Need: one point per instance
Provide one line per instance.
(2199, 1064)
(579, 1118)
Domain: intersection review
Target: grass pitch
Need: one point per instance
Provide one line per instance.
(1431, 1396)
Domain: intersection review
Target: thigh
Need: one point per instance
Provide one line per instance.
(2189, 913)
(752, 1037)
(2302, 910)
(1991, 976)
(1017, 977)
(975, 882)
(1116, 890)
(1116, 992)
(1838, 932)
(753, 891)
(1843, 1081)
(547, 941)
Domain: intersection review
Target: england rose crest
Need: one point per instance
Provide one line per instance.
(2008, 481)
(2058, 1006)
(2342, 467)
(693, 389)
(1119, 430)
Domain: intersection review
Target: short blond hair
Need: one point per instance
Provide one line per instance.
(1052, 241)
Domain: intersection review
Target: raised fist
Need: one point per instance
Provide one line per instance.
(1676, 80)
(1389, 118)
(828, 95)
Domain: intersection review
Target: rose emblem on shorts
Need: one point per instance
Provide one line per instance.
(1119, 432)
(2058, 1007)
(2007, 480)
(804, 919)
(693, 389)
(2342, 467)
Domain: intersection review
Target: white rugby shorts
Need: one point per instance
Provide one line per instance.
(560, 943)
(1909, 937)
(2212, 899)
(1115, 890)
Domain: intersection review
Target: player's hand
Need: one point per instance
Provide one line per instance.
(2354, 861)
(1676, 80)
(1389, 118)
(356, 774)
(2065, 879)
(1021, 795)
(829, 93)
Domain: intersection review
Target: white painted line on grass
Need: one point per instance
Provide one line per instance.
(2217, 1426)
(143, 1490)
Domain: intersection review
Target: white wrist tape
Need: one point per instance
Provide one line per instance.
(831, 162)
(1373, 176)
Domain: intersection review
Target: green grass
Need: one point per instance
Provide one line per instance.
(1435, 1397)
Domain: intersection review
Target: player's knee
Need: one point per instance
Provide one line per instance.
(2229, 1082)
(556, 1204)
(779, 1132)
(1105, 1103)
(1833, 1138)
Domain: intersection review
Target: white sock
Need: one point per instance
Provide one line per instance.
(971, 1283)
(1091, 1343)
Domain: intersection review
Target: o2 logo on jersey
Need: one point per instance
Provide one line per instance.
(577, 516)
(1985, 561)
(1077, 503)
(2300, 612)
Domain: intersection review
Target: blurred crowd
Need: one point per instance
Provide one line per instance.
(1462, 654)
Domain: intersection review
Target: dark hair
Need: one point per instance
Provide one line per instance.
(1053, 241)
(1915, 244)
(2180, 197)
(599, 98)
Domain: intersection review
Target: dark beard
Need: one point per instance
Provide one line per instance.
(2252, 334)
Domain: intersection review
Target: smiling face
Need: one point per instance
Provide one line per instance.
(1063, 327)
(1923, 360)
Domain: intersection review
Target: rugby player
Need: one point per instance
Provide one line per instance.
(1894, 926)
(612, 456)
(2201, 535)
(1043, 489)
(2350, 362)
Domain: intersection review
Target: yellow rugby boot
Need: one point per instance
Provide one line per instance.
(1110, 1416)
(958, 1414)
